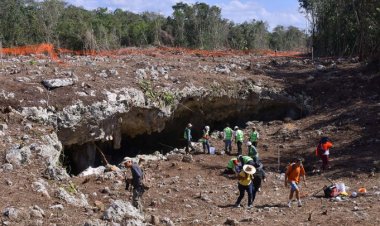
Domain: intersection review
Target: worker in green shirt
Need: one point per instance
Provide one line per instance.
(231, 166)
(252, 151)
(254, 136)
(227, 133)
(239, 137)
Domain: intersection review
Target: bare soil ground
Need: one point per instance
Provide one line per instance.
(346, 108)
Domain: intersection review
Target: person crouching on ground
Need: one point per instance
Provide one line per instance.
(292, 177)
(245, 184)
(136, 182)
(231, 166)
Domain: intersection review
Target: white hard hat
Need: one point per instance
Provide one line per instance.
(236, 127)
(207, 127)
(189, 125)
(249, 143)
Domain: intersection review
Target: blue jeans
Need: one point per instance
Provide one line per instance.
(254, 190)
(206, 145)
(228, 145)
(242, 190)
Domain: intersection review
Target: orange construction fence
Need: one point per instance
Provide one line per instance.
(50, 50)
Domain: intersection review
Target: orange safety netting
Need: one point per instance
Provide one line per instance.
(31, 49)
(48, 49)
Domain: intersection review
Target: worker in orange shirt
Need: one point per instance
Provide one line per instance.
(323, 151)
(292, 177)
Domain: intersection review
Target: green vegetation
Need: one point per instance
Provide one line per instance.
(71, 188)
(24, 22)
(147, 88)
(163, 97)
(344, 27)
(167, 97)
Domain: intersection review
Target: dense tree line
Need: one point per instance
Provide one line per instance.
(24, 22)
(344, 27)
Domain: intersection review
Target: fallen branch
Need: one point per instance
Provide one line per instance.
(102, 155)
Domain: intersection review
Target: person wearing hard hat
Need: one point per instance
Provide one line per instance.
(244, 160)
(205, 138)
(254, 136)
(231, 166)
(239, 138)
(245, 185)
(252, 151)
(187, 136)
(227, 135)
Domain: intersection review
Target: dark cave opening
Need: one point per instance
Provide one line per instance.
(216, 115)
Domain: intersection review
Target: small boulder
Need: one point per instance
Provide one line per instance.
(120, 210)
(187, 158)
(60, 82)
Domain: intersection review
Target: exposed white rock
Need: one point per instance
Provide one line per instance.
(71, 199)
(59, 82)
(93, 171)
(40, 187)
(120, 210)
(7, 167)
(18, 156)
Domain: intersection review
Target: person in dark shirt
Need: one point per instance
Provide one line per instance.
(257, 178)
(138, 189)
(188, 137)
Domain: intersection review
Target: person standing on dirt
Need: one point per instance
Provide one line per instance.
(227, 135)
(259, 176)
(239, 138)
(292, 177)
(245, 184)
(323, 151)
(136, 182)
(254, 136)
(252, 151)
(205, 138)
(187, 136)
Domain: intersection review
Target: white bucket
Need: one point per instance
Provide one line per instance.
(212, 150)
(341, 187)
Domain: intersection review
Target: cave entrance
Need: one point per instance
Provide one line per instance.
(216, 114)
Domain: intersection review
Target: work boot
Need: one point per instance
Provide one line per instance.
(299, 203)
(250, 207)
(290, 204)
